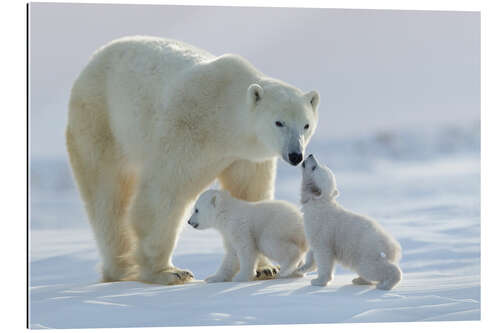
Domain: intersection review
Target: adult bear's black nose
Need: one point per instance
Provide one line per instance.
(295, 158)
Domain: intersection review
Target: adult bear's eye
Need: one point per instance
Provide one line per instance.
(306, 127)
(279, 124)
(196, 210)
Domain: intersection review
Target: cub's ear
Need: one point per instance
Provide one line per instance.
(335, 194)
(254, 94)
(214, 200)
(313, 98)
(217, 197)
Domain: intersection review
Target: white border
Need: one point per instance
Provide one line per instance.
(345, 4)
(13, 148)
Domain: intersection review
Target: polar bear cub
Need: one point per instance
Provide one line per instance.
(335, 234)
(269, 228)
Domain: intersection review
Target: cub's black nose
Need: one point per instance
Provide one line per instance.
(295, 158)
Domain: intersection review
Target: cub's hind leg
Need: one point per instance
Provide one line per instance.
(105, 185)
(360, 281)
(252, 181)
(387, 274)
(291, 258)
(310, 264)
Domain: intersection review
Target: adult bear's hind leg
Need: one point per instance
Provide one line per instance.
(105, 187)
(252, 181)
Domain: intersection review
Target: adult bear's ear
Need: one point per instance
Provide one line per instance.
(313, 98)
(254, 94)
(214, 200)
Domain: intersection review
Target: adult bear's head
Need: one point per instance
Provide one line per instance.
(286, 118)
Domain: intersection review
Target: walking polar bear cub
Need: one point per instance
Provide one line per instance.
(152, 122)
(270, 228)
(335, 234)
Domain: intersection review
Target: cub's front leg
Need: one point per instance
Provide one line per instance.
(325, 262)
(228, 268)
(247, 256)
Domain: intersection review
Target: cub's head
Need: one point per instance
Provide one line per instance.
(286, 118)
(318, 182)
(205, 210)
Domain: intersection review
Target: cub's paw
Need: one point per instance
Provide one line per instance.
(293, 275)
(296, 274)
(304, 269)
(267, 273)
(386, 285)
(319, 282)
(360, 281)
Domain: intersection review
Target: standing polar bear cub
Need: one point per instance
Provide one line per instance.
(152, 122)
(270, 228)
(338, 235)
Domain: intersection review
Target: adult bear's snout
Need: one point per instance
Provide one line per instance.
(295, 158)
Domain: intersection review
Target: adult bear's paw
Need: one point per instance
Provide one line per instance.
(169, 276)
(267, 273)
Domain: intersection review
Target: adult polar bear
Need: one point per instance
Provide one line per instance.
(152, 122)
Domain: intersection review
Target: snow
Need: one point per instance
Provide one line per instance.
(422, 186)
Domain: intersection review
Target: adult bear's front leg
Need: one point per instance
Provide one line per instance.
(252, 181)
(156, 216)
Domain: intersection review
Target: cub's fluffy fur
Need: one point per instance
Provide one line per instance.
(335, 234)
(251, 230)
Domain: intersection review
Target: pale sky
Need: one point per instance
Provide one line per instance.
(374, 69)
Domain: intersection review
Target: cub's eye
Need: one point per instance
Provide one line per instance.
(313, 168)
(279, 124)
(306, 127)
(196, 211)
